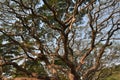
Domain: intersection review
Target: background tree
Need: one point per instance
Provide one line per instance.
(64, 39)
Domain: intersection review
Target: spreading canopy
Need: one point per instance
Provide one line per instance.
(64, 39)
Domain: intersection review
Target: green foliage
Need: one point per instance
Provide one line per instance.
(36, 36)
(60, 62)
(34, 67)
(62, 77)
(7, 70)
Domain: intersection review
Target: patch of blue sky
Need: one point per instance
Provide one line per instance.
(40, 4)
(21, 62)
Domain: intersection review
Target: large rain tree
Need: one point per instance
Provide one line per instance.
(60, 39)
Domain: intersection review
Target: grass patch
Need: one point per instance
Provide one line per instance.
(114, 76)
